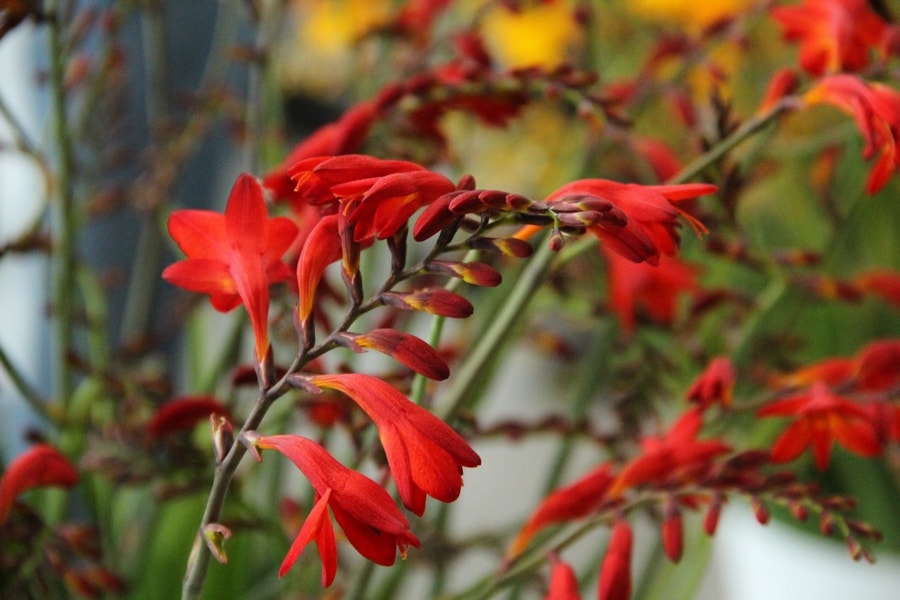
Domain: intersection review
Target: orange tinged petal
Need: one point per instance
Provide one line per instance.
(574, 501)
(424, 453)
(322, 247)
(406, 349)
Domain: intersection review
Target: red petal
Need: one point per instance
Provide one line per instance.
(315, 522)
(574, 501)
(201, 275)
(199, 233)
(408, 350)
(322, 247)
(39, 466)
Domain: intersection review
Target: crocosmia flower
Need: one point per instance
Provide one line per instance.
(365, 511)
(876, 109)
(647, 223)
(834, 35)
(675, 458)
(573, 501)
(821, 418)
(644, 289)
(233, 257)
(425, 455)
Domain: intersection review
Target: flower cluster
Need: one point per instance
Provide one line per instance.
(706, 274)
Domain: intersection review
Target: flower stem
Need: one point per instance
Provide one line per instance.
(66, 222)
(746, 130)
(486, 349)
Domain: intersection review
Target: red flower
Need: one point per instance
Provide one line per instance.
(876, 110)
(676, 458)
(615, 571)
(821, 418)
(714, 385)
(834, 35)
(39, 466)
(563, 583)
(655, 290)
(183, 413)
(233, 257)
(644, 224)
(345, 135)
(878, 366)
(425, 455)
(371, 521)
(377, 196)
(574, 501)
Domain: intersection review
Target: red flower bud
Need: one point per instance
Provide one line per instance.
(615, 572)
(436, 301)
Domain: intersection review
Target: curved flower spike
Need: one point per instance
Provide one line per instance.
(425, 455)
(650, 227)
(233, 257)
(365, 511)
(676, 457)
(40, 465)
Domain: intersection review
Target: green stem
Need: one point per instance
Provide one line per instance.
(487, 348)
(66, 221)
(746, 130)
(28, 393)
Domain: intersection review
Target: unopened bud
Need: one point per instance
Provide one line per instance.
(760, 511)
(673, 531)
(222, 436)
(215, 535)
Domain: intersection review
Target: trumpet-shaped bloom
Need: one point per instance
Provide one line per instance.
(646, 289)
(41, 465)
(876, 110)
(425, 455)
(834, 35)
(644, 225)
(715, 385)
(574, 501)
(676, 458)
(233, 257)
(365, 511)
(821, 418)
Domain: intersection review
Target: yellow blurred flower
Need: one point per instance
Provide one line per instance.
(322, 55)
(691, 14)
(539, 35)
(333, 25)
